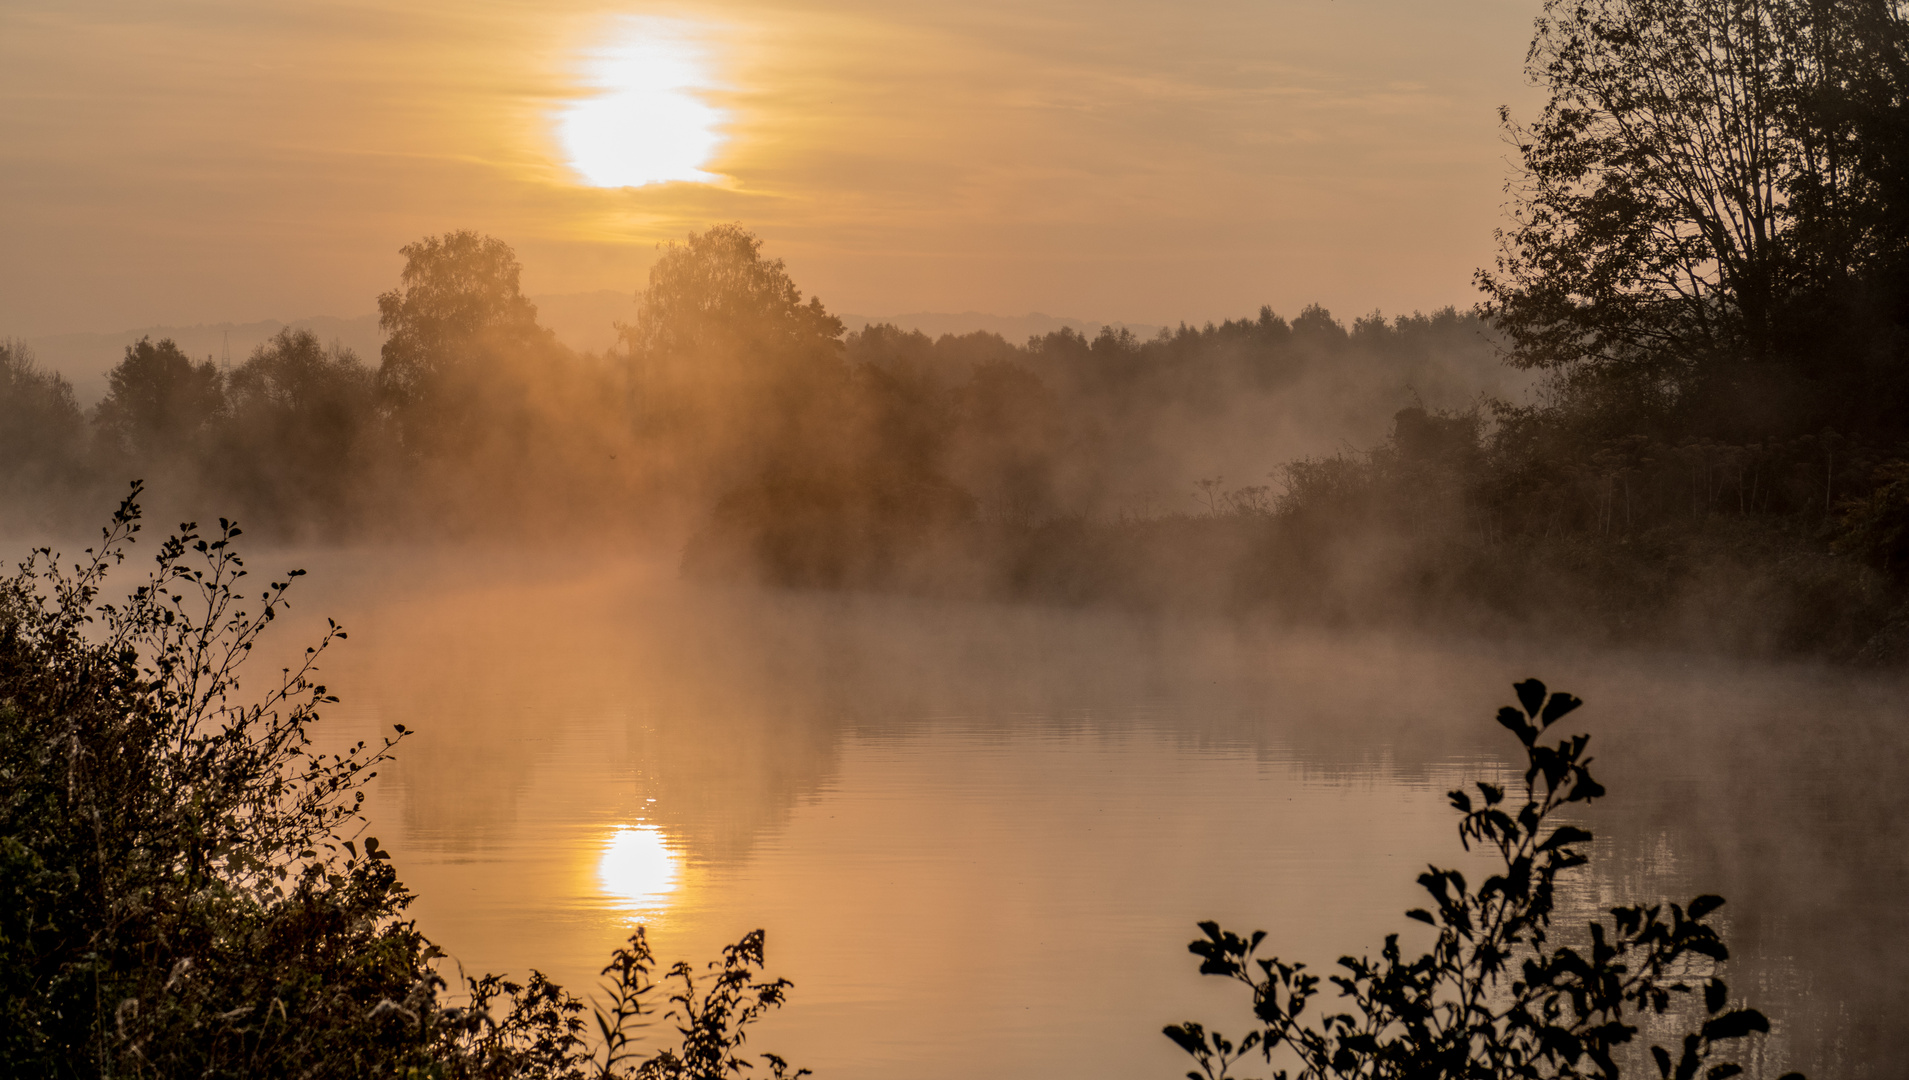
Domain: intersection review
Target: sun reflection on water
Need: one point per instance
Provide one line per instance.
(638, 870)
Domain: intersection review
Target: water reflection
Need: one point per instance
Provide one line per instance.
(638, 871)
(985, 833)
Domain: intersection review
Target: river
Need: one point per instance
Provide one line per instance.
(979, 837)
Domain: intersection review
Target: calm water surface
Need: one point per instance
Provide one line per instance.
(979, 838)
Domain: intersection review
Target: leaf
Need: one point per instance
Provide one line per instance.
(1530, 695)
(1735, 1025)
(1565, 834)
(1560, 704)
(1517, 725)
(1421, 915)
(1663, 1061)
(1714, 949)
(1704, 905)
(1720, 1072)
(1716, 996)
(1189, 1036)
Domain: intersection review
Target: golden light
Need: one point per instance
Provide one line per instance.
(649, 123)
(637, 867)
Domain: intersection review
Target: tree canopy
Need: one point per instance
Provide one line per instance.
(1702, 197)
(159, 401)
(457, 310)
(715, 292)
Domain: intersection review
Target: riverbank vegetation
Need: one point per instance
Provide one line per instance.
(184, 889)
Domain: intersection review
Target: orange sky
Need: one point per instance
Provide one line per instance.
(182, 162)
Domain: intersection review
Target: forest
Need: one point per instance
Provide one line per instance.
(1679, 407)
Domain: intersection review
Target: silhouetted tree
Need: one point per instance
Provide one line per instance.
(300, 426)
(714, 293)
(41, 429)
(456, 317)
(1687, 194)
(159, 404)
(730, 367)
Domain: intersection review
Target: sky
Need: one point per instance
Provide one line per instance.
(171, 162)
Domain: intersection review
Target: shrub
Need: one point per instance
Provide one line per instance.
(181, 890)
(1496, 996)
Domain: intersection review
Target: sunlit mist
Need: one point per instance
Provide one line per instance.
(648, 123)
(638, 869)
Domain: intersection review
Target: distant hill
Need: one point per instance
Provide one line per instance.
(584, 321)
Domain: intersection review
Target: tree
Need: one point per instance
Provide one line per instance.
(159, 403)
(1498, 995)
(41, 428)
(714, 294)
(300, 418)
(730, 368)
(456, 317)
(1686, 198)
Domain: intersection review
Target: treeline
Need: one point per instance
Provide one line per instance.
(471, 410)
(729, 387)
(741, 416)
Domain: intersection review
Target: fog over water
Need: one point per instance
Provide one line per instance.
(979, 836)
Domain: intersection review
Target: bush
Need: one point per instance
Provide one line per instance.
(181, 892)
(1496, 996)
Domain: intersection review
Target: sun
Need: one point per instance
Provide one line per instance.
(648, 123)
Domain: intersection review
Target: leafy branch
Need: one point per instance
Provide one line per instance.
(1495, 996)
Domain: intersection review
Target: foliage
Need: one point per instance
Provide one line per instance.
(1498, 995)
(1876, 526)
(714, 292)
(457, 321)
(179, 897)
(711, 1020)
(159, 404)
(1695, 215)
(729, 370)
(303, 425)
(181, 892)
(42, 430)
(453, 291)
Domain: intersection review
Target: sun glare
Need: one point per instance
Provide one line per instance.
(647, 123)
(637, 868)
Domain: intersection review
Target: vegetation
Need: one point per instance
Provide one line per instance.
(1499, 994)
(182, 891)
